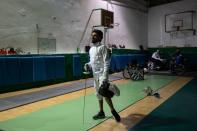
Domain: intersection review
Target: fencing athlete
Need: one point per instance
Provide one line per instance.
(99, 64)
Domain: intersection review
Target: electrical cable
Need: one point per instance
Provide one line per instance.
(86, 73)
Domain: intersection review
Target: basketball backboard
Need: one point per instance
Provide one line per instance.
(179, 21)
(107, 18)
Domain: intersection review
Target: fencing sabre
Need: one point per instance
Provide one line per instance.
(86, 77)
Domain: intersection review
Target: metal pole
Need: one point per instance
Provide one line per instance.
(105, 32)
(84, 31)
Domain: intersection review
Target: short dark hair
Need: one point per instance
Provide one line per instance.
(99, 32)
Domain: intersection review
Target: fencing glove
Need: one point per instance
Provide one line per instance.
(87, 67)
(104, 90)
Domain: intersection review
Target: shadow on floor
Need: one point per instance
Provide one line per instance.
(157, 121)
(132, 118)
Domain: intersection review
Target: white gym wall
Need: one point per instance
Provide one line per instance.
(157, 37)
(23, 21)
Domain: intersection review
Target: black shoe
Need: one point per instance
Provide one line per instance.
(116, 115)
(100, 115)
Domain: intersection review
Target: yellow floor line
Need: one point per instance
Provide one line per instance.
(135, 113)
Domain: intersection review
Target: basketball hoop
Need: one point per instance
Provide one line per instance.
(115, 24)
(176, 28)
(177, 24)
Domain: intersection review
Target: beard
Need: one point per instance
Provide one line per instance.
(94, 41)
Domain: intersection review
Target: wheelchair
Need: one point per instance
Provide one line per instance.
(152, 65)
(133, 72)
(177, 65)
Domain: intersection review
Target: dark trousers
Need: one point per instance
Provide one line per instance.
(157, 62)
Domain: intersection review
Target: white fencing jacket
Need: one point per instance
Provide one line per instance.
(99, 60)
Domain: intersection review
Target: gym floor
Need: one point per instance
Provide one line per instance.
(174, 110)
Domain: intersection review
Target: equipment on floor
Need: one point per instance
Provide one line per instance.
(150, 92)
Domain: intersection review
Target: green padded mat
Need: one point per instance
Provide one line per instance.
(68, 116)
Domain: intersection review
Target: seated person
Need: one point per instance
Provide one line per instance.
(176, 60)
(12, 51)
(157, 60)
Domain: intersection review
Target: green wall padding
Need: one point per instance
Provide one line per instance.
(125, 51)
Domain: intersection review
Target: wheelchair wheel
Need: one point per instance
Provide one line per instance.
(180, 70)
(125, 73)
(150, 65)
(138, 75)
